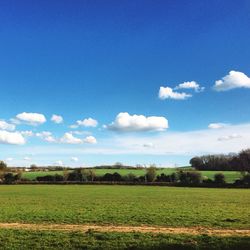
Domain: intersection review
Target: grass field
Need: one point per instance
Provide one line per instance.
(21, 239)
(125, 205)
(230, 176)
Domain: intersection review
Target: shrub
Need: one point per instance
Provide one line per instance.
(219, 178)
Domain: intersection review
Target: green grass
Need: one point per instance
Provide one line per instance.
(230, 176)
(21, 239)
(131, 205)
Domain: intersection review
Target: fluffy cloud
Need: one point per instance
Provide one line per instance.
(57, 119)
(74, 159)
(217, 125)
(234, 79)
(7, 126)
(11, 138)
(190, 85)
(46, 136)
(90, 139)
(31, 118)
(168, 93)
(126, 122)
(89, 122)
(68, 138)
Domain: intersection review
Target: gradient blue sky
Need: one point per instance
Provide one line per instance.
(96, 59)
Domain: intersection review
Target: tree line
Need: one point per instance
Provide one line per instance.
(223, 162)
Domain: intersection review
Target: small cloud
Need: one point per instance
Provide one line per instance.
(31, 118)
(46, 136)
(131, 123)
(90, 139)
(168, 93)
(57, 119)
(234, 79)
(229, 137)
(74, 159)
(15, 138)
(7, 126)
(190, 85)
(89, 122)
(26, 158)
(217, 125)
(68, 138)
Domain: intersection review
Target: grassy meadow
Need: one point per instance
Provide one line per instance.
(230, 176)
(125, 205)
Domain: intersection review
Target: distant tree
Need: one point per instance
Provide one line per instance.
(151, 173)
(196, 162)
(244, 157)
(219, 178)
(3, 166)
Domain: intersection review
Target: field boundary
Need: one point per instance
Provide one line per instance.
(126, 229)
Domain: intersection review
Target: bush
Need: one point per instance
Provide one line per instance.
(219, 178)
(190, 177)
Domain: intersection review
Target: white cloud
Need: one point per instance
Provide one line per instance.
(126, 122)
(217, 125)
(27, 158)
(68, 138)
(90, 139)
(11, 138)
(57, 119)
(7, 126)
(74, 159)
(234, 79)
(190, 85)
(31, 118)
(46, 136)
(229, 137)
(168, 93)
(89, 122)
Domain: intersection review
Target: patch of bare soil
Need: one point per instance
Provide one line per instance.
(128, 229)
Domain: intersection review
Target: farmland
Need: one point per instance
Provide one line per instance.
(130, 205)
(230, 176)
(127, 206)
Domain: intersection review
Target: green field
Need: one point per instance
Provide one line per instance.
(131, 205)
(22, 239)
(230, 176)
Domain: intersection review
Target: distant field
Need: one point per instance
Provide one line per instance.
(125, 205)
(231, 176)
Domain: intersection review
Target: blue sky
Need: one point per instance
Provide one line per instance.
(98, 59)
